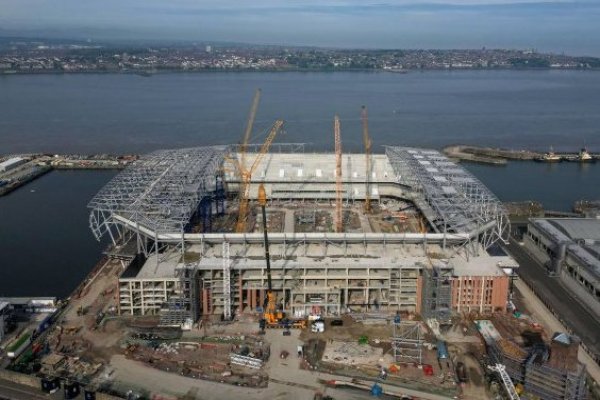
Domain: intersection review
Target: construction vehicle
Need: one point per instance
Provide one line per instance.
(272, 316)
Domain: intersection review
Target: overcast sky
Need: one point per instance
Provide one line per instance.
(570, 26)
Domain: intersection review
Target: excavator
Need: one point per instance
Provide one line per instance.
(272, 316)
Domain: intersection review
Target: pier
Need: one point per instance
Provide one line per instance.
(499, 156)
(17, 171)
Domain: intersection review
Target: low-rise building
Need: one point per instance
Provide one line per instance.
(11, 163)
(480, 285)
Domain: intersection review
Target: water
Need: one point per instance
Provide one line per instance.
(45, 242)
(130, 113)
(46, 246)
(556, 186)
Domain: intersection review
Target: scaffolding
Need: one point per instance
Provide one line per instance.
(407, 342)
(451, 199)
(437, 292)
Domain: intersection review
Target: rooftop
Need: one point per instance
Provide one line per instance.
(581, 234)
(155, 267)
(482, 265)
(10, 161)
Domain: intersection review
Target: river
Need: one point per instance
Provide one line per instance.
(45, 242)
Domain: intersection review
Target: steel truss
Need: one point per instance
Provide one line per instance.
(161, 191)
(452, 199)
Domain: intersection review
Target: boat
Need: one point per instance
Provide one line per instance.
(584, 156)
(550, 156)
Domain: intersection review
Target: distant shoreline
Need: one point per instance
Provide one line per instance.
(150, 73)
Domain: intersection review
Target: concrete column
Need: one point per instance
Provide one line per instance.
(261, 297)
(241, 295)
(204, 302)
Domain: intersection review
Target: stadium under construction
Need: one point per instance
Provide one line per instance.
(407, 230)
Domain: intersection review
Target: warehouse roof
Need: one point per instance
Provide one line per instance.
(581, 234)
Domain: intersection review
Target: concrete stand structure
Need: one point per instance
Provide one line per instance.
(421, 250)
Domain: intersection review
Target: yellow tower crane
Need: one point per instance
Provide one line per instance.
(367, 143)
(246, 176)
(339, 223)
(249, 125)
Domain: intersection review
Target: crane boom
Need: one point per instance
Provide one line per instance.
(249, 125)
(247, 176)
(367, 144)
(339, 224)
(511, 391)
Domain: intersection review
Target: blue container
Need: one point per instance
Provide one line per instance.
(376, 390)
(442, 350)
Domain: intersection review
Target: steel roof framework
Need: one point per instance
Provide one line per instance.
(160, 191)
(451, 198)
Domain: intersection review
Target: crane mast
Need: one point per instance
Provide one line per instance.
(339, 223)
(262, 200)
(271, 315)
(367, 144)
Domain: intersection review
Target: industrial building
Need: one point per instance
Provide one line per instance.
(402, 231)
(569, 248)
(11, 163)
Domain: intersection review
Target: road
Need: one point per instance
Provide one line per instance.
(13, 391)
(572, 314)
(287, 380)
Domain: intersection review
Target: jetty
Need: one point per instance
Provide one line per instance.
(18, 170)
(500, 156)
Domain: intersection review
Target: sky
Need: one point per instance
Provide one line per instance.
(569, 26)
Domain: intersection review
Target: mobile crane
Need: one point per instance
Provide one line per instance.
(272, 317)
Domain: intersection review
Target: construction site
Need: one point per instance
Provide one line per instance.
(227, 262)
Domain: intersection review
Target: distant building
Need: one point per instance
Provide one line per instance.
(569, 248)
(208, 49)
(11, 163)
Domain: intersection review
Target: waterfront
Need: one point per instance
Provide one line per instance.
(46, 242)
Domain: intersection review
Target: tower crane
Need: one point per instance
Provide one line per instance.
(246, 176)
(367, 143)
(339, 223)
